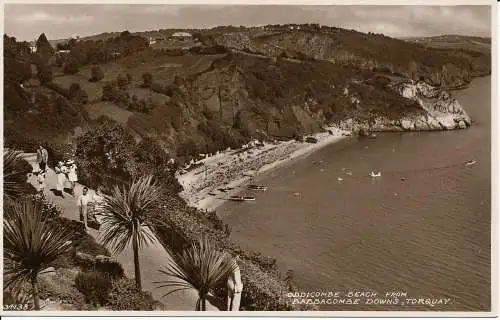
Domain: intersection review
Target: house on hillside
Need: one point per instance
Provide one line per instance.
(182, 36)
(33, 46)
(156, 39)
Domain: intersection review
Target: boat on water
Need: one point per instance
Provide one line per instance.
(470, 163)
(257, 187)
(239, 198)
(375, 175)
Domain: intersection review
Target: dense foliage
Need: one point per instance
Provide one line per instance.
(97, 74)
(124, 295)
(94, 286)
(111, 156)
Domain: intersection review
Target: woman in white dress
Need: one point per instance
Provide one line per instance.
(60, 170)
(72, 176)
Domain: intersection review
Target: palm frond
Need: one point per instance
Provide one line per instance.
(126, 213)
(13, 178)
(30, 242)
(200, 267)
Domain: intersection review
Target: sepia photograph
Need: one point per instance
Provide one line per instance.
(248, 157)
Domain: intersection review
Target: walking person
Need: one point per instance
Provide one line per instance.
(61, 178)
(72, 176)
(97, 200)
(42, 157)
(234, 288)
(82, 203)
(41, 181)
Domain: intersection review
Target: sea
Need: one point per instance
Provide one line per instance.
(418, 238)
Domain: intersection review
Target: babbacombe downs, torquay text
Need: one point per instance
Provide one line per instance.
(364, 298)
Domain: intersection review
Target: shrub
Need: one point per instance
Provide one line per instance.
(82, 241)
(311, 140)
(61, 287)
(97, 74)
(109, 91)
(77, 94)
(47, 208)
(94, 286)
(122, 82)
(148, 79)
(44, 74)
(72, 66)
(111, 269)
(125, 296)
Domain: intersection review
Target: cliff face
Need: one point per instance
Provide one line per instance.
(440, 111)
(242, 96)
(441, 68)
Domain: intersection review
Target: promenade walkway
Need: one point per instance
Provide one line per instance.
(151, 258)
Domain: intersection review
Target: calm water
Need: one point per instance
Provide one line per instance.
(428, 236)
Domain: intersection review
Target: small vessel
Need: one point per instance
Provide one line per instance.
(238, 198)
(403, 179)
(257, 187)
(340, 179)
(349, 173)
(375, 175)
(470, 163)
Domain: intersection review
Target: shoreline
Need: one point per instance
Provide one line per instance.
(234, 169)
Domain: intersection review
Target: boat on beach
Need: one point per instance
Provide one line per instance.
(257, 187)
(239, 198)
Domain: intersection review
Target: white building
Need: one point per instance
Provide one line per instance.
(33, 47)
(182, 36)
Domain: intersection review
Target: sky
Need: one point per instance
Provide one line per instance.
(60, 21)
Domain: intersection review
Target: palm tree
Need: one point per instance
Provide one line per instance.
(200, 267)
(13, 177)
(126, 217)
(31, 243)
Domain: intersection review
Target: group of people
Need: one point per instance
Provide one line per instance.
(66, 172)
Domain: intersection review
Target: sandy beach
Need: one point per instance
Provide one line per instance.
(233, 169)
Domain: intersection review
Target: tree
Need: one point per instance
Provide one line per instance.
(148, 79)
(200, 267)
(97, 74)
(77, 94)
(72, 66)
(44, 48)
(30, 245)
(44, 73)
(127, 218)
(122, 81)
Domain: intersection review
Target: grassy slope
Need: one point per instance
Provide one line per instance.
(480, 44)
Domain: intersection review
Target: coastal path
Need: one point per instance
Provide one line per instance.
(151, 258)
